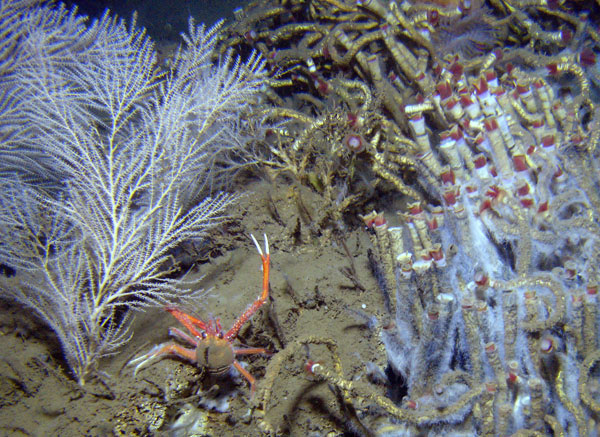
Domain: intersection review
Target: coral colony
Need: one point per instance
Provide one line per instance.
(494, 325)
(105, 161)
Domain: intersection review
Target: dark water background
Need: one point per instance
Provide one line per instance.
(164, 20)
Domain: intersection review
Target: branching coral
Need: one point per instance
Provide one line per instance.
(105, 164)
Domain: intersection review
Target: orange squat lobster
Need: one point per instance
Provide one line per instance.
(213, 348)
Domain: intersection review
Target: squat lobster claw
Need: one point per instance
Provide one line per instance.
(212, 348)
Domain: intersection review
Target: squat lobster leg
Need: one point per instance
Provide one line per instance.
(158, 351)
(266, 260)
(191, 323)
(251, 380)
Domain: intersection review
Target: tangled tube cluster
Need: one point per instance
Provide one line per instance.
(483, 117)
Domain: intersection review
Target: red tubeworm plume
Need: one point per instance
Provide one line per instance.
(587, 57)
(354, 142)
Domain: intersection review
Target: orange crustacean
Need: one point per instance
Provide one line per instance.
(212, 349)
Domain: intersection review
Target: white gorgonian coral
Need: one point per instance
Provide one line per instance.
(105, 166)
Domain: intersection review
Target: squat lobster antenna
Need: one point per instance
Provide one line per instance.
(258, 245)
